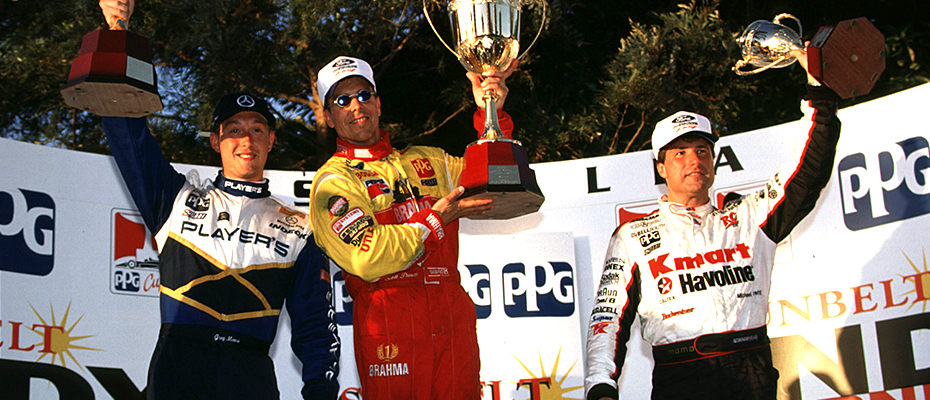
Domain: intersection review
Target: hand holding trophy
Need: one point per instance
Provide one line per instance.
(113, 75)
(847, 58)
(487, 39)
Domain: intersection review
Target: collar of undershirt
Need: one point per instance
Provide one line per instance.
(242, 188)
(377, 151)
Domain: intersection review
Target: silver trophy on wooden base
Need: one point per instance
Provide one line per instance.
(848, 57)
(487, 37)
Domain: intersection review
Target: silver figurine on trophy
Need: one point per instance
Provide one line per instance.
(848, 57)
(487, 37)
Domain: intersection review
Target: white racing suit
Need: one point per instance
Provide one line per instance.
(699, 279)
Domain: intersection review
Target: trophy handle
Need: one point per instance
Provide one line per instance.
(430, 20)
(541, 25)
(779, 17)
(742, 63)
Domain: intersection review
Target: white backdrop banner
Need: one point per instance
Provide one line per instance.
(848, 308)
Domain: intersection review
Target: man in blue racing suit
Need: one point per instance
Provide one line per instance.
(230, 256)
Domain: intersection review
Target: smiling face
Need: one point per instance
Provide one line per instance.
(243, 142)
(688, 170)
(356, 123)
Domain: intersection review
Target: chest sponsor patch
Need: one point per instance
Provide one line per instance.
(377, 187)
(197, 201)
(424, 168)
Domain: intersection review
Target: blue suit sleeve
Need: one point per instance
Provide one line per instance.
(152, 182)
(313, 331)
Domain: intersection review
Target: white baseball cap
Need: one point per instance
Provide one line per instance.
(678, 125)
(340, 68)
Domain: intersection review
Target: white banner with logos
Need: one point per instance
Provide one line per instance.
(848, 307)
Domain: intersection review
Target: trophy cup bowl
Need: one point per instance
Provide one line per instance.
(767, 45)
(487, 38)
(487, 33)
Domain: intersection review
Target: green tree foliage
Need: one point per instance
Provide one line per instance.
(599, 77)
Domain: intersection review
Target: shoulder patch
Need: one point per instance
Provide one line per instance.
(338, 206)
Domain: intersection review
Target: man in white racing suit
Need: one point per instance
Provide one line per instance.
(698, 276)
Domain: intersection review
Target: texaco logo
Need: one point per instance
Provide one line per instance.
(665, 285)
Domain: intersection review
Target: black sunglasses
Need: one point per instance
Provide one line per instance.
(343, 100)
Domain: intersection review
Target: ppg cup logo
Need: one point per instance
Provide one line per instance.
(885, 184)
(27, 231)
(134, 258)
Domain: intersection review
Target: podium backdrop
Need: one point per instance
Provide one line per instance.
(848, 309)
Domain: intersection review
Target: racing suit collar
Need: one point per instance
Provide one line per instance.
(242, 188)
(377, 151)
(694, 214)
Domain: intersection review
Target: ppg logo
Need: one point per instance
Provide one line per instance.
(27, 231)
(885, 185)
(478, 284)
(342, 302)
(541, 290)
(126, 281)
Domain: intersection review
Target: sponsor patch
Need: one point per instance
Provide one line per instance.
(338, 206)
(197, 202)
(665, 285)
(377, 187)
(677, 313)
(424, 168)
(429, 182)
(724, 277)
(290, 213)
(599, 328)
(649, 238)
(366, 174)
(353, 230)
(354, 215)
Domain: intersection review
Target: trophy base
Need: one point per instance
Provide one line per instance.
(498, 169)
(848, 58)
(113, 76)
(507, 204)
(111, 96)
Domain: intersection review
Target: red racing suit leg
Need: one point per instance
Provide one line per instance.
(416, 326)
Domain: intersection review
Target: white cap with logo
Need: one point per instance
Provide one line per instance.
(340, 68)
(678, 125)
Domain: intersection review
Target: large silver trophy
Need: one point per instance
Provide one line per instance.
(487, 38)
(847, 58)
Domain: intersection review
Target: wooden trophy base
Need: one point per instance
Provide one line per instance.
(113, 76)
(498, 169)
(848, 57)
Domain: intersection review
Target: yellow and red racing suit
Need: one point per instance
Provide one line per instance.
(414, 324)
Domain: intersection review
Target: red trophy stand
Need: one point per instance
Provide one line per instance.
(497, 168)
(848, 57)
(113, 76)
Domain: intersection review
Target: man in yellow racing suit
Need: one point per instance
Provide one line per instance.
(389, 219)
